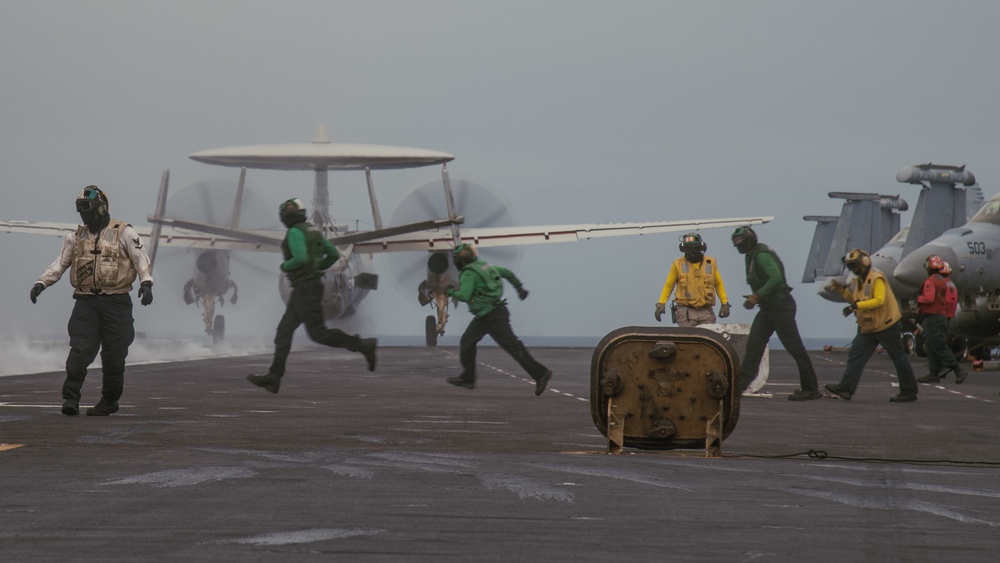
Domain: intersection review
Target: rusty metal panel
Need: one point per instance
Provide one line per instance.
(665, 388)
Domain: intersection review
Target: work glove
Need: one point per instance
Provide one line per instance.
(724, 310)
(660, 308)
(36, 290)
(146, 293)
(850, 309)
(751, 301)
(522, 293)
(445, 283)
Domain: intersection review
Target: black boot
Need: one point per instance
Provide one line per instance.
(70, 408)
(960, 374)
(462, 382)
(103, 408)
(542, 381)
(270, 381)
(930, 378)
(367, 348)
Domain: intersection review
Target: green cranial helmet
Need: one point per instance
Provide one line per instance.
(743, 233)
(464, 254)
(692, 241)
(292, 212)
(92, 205)
(744, 238)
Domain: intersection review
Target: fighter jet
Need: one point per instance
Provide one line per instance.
(971, 251)
(948, 196)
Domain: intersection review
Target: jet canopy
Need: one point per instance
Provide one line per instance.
(988, 213)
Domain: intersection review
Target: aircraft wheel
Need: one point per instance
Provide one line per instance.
(430, 331)
(918, 345)
(980, 350)
(218, 329)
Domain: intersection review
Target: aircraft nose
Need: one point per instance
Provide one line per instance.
(911, 268)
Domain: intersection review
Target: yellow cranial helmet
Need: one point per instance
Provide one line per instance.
(856, 258)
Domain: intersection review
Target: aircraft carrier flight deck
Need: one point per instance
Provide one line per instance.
(396, 465)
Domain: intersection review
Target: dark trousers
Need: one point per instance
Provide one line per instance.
(305, 306)
(777, 318)
(496, 323)
(99, 322)
(939, 357)
(862, 348)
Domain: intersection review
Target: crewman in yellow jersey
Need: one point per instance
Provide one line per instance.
(696, 284)
(875, 308)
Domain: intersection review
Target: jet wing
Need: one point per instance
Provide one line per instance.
(440, 238)
(259, 240)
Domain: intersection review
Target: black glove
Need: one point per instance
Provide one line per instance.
(850, 309)
(522, 293)
(724, 310)
(445, 283)
(36, 290)
(146, 293)
(660, 308)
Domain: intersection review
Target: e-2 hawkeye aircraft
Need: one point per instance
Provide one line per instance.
(349, 281)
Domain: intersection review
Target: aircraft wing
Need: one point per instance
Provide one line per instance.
(37, 228)
(259, 240)
(440, 238)
(428, 239)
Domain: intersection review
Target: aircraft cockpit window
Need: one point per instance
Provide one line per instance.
(988, 213)
(901, 235)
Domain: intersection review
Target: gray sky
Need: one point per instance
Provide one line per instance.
(573, 111)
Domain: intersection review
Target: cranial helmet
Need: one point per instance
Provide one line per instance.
(933, 262)
(464, 255)
(292, 212)
(945, 268)
(744, 238)
(857, 258)
(92, 205)
(692, 241)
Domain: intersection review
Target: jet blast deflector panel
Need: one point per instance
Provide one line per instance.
(665, 388)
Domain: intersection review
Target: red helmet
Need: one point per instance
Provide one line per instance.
(933, 262)
(945, 268)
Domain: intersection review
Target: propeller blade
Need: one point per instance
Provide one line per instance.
(241, 258)
(497, 218)
(426, 207)
(481, 208)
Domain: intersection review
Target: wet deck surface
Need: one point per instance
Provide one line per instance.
(397, 465)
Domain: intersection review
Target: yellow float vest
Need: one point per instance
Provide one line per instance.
(881, 317)
(695, 286)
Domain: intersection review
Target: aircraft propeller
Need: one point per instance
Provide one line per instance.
(210, 276)
(481, 208)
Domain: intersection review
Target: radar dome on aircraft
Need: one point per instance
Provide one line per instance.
(321, 154)
(911, 269)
